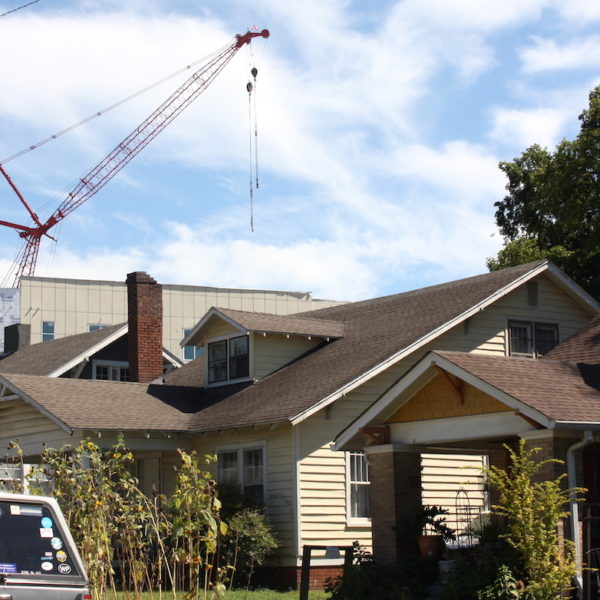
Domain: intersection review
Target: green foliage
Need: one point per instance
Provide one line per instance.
(430, 521)
(157, 545)
(533, 510)
(504, 587)
(403, 580)
(552, 209)
(249, 543)
(472, 575)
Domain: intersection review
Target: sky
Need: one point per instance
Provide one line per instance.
(380, 126)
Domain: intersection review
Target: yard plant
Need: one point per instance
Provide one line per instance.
(134, 545)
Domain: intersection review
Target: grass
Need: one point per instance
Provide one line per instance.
(238, 595)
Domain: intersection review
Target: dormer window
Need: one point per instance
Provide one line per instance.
(228, 359)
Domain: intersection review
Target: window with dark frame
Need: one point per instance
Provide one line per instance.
(47, 331)
(228, 359)
(531, 339)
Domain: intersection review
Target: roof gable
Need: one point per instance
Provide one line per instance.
(265, 323)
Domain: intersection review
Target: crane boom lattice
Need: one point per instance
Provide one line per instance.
(124, 152)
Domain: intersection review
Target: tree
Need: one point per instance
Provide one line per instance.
(552, 209)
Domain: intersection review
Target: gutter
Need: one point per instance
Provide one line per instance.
(588, 438)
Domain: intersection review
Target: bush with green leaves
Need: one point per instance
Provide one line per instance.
(533, 510)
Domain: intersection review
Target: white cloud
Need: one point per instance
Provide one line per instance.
(550, 55)
(525, 127)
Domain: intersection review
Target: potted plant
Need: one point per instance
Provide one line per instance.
(433, 531)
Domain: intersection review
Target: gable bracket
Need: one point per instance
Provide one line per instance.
(456, 389)
(379, 435)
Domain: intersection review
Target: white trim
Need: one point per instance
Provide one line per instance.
(239, 448)
(28, 400)
(392, 360)
(350, 520)
(419, 370)
(86, 355)
(574, 290)
(457, 429)
(297, 506)
(99, 362)
(186, 341)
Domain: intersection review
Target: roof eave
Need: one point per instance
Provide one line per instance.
(28, 400)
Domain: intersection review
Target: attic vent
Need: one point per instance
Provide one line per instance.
(532, 293)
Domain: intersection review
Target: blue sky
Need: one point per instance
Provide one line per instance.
(380, 126)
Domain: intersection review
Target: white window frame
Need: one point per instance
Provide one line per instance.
(533, 325)
(110, 364)
(240, 448)
(21, 474)
(355, 521)
(250, 359)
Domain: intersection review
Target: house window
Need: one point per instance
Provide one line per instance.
(228, 359)
(110, 371)
(358, 485)
(531, 339)
(244, 468)
(96, 326)
(47, 331)
(191, 352)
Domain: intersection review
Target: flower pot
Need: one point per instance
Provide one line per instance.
(431, 546)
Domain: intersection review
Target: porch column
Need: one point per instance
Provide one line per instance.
(395, 495)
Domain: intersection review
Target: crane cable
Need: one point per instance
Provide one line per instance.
(253, 124)
(109, 108)
(19, 8)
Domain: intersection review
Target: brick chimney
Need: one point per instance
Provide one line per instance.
(145, 316)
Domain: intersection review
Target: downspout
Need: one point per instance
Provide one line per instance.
(574, 507)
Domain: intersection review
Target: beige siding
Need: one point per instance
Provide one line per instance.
(271, 352)
(74, 304)
(281, 507)
(456, 483)
(486, 331)
(20, 421)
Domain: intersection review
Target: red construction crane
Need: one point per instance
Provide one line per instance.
(106, 169)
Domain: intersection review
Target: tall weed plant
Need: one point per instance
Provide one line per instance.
(133, 544)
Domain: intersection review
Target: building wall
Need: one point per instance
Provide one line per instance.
(74, 304)
(281, 504)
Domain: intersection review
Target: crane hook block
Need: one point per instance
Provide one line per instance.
(247, 37)
(249, 87)
(254, 72)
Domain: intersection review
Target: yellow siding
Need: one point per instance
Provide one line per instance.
(20, 421)
(486, 331)
(281, 506)
(271, 352)
(456, 483)
(217, 328)
(437, 400)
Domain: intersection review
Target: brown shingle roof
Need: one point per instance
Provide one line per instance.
(583, 346)
(291, 324)
(111, 405)
(46, 357)
(562, 391)
(375, 332)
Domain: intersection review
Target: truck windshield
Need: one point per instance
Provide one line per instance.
(31, 541)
